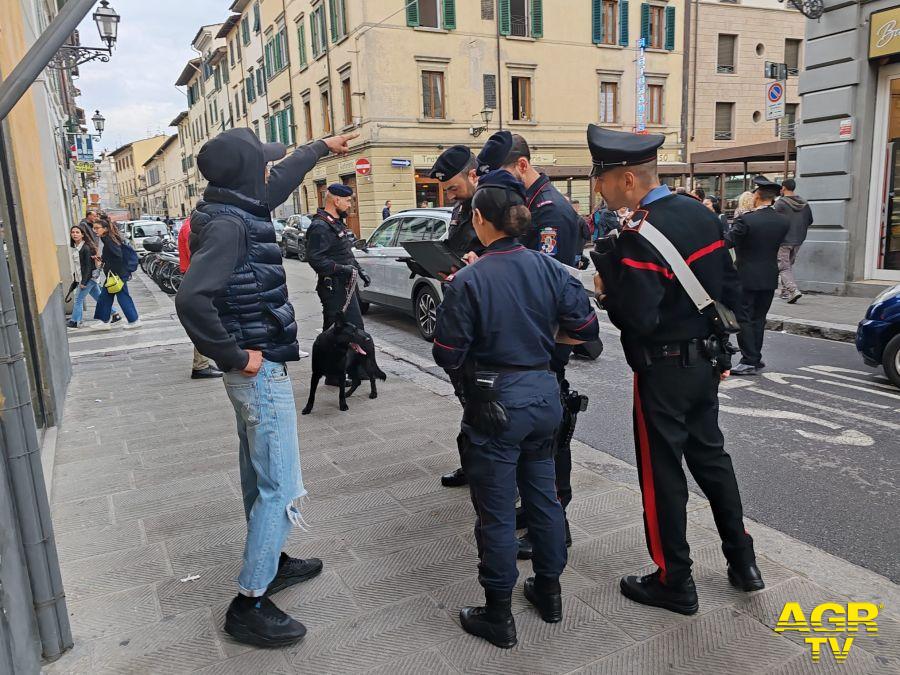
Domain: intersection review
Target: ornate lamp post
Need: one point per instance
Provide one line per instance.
(71, 56)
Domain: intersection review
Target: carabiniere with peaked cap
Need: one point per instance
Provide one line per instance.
(612, 149)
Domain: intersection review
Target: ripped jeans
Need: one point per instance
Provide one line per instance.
(271, 481)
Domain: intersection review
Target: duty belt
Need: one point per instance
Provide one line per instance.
(512, 369)
(689, 349)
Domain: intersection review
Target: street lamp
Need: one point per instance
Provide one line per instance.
(486, 115)
(71, 56)
(99, 122)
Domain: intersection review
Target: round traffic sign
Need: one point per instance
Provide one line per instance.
(363, 166)
(776, 91)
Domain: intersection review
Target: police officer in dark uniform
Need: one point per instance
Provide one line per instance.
(678, 358)
(756, 237)
(496, 330)
(330, 254)
(556, 231)
(455, 169)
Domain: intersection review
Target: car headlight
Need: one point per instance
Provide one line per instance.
(887, 294)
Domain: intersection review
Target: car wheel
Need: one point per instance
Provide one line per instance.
(364, 307)
(301, 251)
(891, 360)
(426, 312)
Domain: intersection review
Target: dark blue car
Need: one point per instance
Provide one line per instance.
(878, 335)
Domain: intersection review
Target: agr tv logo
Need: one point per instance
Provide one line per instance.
(830, 617)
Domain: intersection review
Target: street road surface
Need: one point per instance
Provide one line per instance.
(814, 439)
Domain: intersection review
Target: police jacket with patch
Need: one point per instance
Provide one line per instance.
(329, 244)
(505, 309)
(555, 225)
(756, 237)
(461, 237)
(234, 296)
(645, 300)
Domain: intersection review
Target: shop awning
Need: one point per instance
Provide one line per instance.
(771, 151)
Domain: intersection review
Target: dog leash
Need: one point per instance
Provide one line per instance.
(351, 289)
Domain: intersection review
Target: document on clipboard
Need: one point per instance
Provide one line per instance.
(434, 257)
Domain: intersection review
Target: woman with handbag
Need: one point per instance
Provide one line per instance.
(85, 272)
(116, 260)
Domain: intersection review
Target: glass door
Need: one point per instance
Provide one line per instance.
(883, 236)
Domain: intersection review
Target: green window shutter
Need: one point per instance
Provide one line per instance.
(645, 22)
(537, 18)
(283, 127)
(256, 21)
(301, 38)
(332, 16)
(291, 125)
(412, 13)
(314, 35)
(505, 18)
(597, 21)
(670, 28)
(623, 23)
(268, 60)
(449, 14)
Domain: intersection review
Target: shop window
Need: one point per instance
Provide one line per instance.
(724, 122)
(521, 95)
(726, 53)
(433, 95)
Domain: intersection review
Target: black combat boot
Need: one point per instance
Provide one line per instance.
(494, 622)
(258, 622)
(546, 595)
(455, 478)
(649, 590)
(746, 577)
(292, 571)
(526, 550)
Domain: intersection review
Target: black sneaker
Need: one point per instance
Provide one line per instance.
(206, 373)
(455, 478)
(71, 324)
(292, 571)
(258, 622)
(116, 317)
(494, 622)
(748, 578)
(548, 601)
(649, 590)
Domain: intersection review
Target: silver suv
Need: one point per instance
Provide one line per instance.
(391, 283)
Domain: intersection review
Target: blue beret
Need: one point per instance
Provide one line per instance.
(612, 149)
(340, 190)
(501, 178)
(451, 162)
(494, 153)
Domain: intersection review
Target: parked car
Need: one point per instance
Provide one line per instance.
(391, 283)
(878, 334)
(293, 237)
(135, 231)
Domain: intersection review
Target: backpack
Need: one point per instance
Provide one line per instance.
(129, 258)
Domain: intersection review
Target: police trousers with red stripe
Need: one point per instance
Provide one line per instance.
(676, 414)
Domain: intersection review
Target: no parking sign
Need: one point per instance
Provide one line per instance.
(775, 100)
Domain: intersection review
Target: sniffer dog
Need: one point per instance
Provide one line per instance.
(347, 354)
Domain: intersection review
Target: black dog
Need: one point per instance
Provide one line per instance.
(334, 352)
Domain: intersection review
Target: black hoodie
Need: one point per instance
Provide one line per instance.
(234, 163)
(798, 213)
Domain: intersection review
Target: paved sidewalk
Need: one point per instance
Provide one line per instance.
(150, 530)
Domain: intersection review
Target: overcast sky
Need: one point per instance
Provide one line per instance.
(136, 91)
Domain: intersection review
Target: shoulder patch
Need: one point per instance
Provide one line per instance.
(549, 240)
(546, 202)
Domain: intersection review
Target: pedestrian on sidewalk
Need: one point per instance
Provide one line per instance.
(504, 315)
(678, 360)
(84, 272)
(120, 259)
(756, 237)
(201, 368)
(234, 305)
(793, 207)
(386, 211)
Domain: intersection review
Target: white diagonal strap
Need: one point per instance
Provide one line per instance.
(680, 268)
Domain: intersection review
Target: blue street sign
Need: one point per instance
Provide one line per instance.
(401, 163)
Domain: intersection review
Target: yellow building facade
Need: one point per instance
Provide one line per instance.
(129, 162)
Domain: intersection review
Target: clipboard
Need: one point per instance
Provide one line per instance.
(434, 257)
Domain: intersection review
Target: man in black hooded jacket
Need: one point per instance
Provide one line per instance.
(234, 305)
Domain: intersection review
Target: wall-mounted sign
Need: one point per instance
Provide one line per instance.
(640, 108)
(884, 33)
(425, 161)
(845, 130)
(363, 166)
(84, 167)
(401, 163)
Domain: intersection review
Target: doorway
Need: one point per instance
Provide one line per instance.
(883, 231)
(352, 215)
(429, 194)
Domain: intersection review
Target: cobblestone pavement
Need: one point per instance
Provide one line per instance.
(150, 530)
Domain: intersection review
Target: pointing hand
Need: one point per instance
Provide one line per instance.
(340, 145)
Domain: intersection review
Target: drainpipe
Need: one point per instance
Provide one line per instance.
(685, 77)
(499, 70)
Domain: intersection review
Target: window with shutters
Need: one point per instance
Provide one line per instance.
(251, 85)
(276, 52)
(260, 78)
(268, 129)
(724, 122)
(307, 117)
(256, 20)
(487, 10)
(654, 104)
(245, 30)
(337, 14)
(433, 95)
(231, 54)
(521, 18)
(610, 22)
(725, 62)
(301, 41)
(347, 98)
(518, 17)
(609, 102)
(521, 99)
(318, 32)
(656, 27)
(490, 90)
(792, 56)
(326, 112)
(429, 13)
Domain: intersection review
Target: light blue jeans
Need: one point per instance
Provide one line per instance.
(271, 481)
(91, 289)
